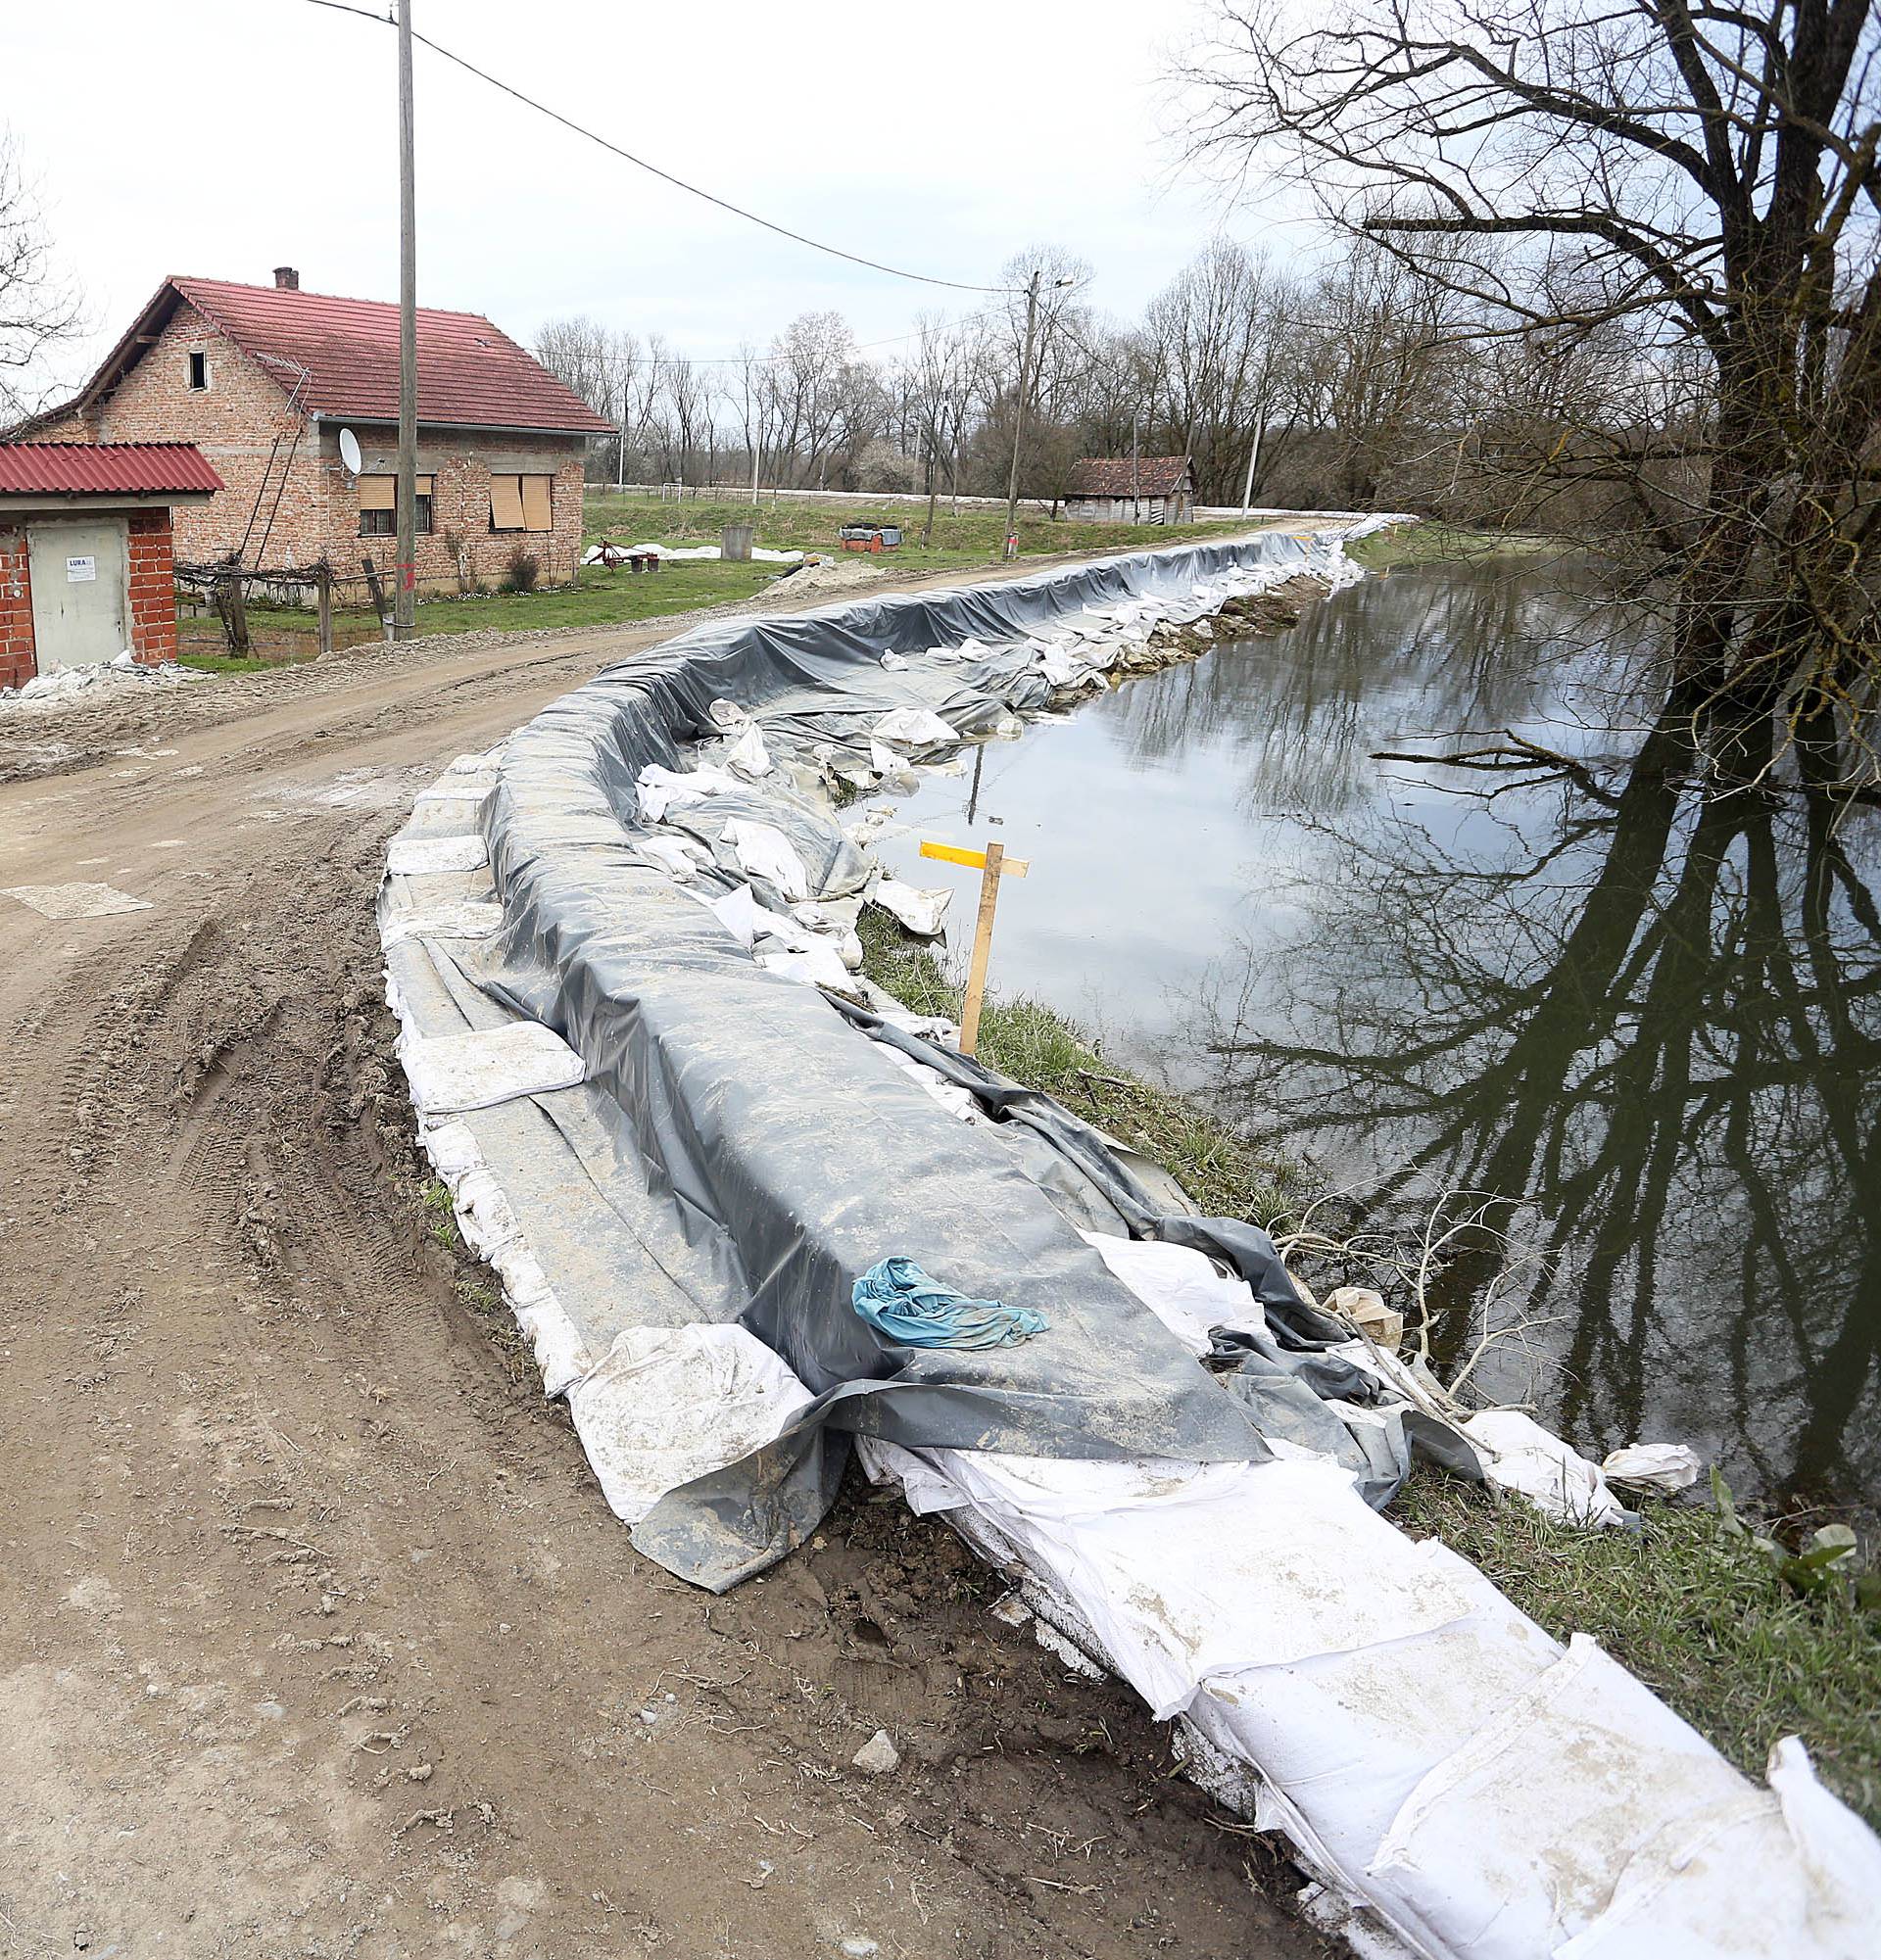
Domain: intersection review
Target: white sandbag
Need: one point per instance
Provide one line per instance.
(817, 964)
(914, 728)
(1656, 1466)
(484, 1216)
(1807, 1868)
(1187, 1570)
(561, 1355)
(834, 920)
(419, 858)
(1185, 1290)
(1519, 1454)
(921, 912)
(763, 851)
(748, 756)
(737, 910)
(892, 768)
(487, 1066)
(677, 857)
(451, 1146)
(662, 790)
(1523, 1838)
(460, 919)
(666, 1405)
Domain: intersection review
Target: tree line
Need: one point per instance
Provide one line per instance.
(1343, 385)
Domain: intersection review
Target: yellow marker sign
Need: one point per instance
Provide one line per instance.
(975, 860)
(992, 864)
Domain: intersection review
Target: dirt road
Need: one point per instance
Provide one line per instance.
(315, 1637)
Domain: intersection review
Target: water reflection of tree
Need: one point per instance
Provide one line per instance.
(1656, 1013)
(1300, 714)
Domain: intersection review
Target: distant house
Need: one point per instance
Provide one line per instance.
(1132, 490)
(263, 378)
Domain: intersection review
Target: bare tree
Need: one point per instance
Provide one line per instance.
(1704, 177)
(605, 367)
(39, 309)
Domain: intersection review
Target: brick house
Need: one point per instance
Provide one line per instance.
(263, 378)
(85, 568)
(1132, 490)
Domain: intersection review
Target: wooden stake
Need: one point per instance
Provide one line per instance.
(982, 950)
(323, 587)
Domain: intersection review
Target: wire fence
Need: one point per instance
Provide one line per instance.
(227, 591)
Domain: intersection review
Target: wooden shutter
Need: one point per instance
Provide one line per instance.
(376, 493)
(506, 503)
(424, 484)
(538, 504)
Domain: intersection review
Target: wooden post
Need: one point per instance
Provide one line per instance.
(981, 951)
(376, 587)
(323, 591)
(236, 616)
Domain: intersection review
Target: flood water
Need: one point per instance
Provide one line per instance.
(1628, 1024)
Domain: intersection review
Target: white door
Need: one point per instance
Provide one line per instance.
(80, 591)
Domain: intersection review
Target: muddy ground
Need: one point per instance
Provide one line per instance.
(317, 1638)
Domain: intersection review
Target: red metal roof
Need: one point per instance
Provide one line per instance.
(1111, 476)
(340, 358)
(104, 469)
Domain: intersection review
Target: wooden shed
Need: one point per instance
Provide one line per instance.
(1132, 490)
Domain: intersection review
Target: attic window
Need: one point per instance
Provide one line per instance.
(198, 369)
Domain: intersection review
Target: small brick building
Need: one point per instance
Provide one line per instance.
(85, 568)
(263, 378)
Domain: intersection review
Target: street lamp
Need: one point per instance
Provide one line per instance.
(1026, 378)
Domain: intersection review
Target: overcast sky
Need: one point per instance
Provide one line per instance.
(223, 137)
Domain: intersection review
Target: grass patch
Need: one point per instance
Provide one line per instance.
(598, 598)
(1037, 1046)
(440, 1217)
(229, 663)
(1440, 543)
(967, 537)
(1698, 1613)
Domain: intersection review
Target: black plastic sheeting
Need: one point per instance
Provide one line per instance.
(792, 1153)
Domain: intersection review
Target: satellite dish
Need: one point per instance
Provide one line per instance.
(350, 450)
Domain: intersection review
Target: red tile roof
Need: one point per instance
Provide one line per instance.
(1111, 476)
(343, 355)
(104, 469)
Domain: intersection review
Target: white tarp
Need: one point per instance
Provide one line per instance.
(1519, 1454)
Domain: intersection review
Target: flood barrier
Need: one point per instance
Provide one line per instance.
(682, 1127)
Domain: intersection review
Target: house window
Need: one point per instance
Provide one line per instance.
(199, 369)
(522, 503)
(379, 506)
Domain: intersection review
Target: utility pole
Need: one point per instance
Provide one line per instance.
(1135, 471)
(1253, 457)
(1018, 415)
(405, 497)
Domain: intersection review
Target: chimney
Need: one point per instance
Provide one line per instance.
(287, 279)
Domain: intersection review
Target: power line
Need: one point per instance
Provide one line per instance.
(775, 359)
(653, 170)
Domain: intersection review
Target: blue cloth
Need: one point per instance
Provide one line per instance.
(897, 1299)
